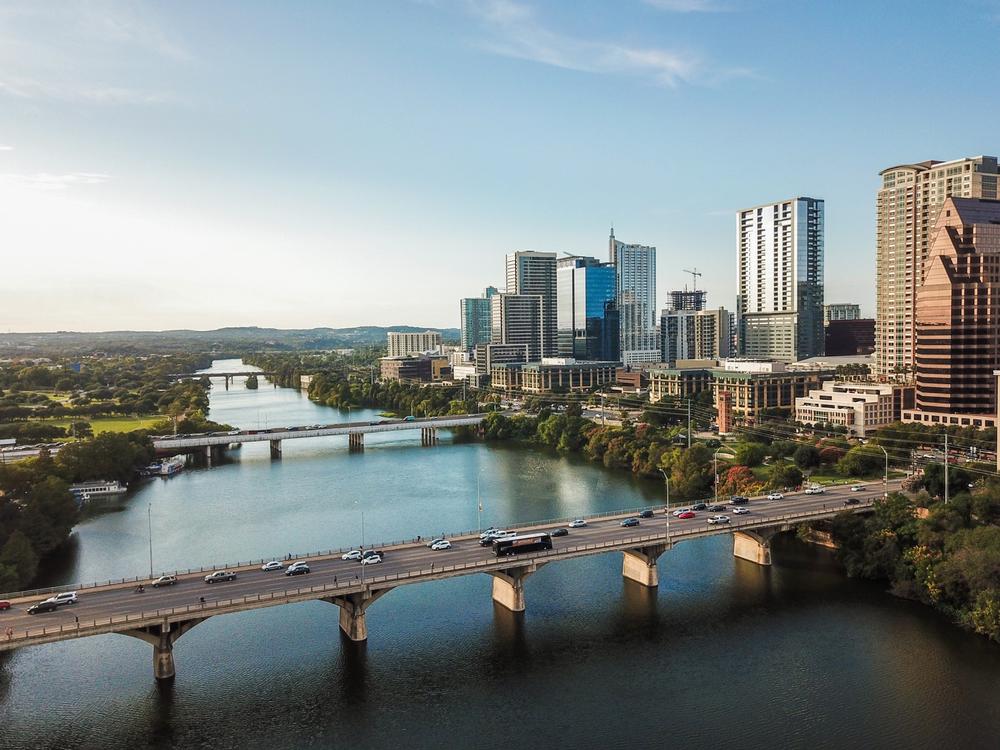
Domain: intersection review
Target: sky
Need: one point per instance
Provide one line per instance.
(294, 164)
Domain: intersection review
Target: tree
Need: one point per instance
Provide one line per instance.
(81, 430)
(933, 482)
(862, 460)
(784, 476)
(751, 454)
(806, 457)
(19, 556)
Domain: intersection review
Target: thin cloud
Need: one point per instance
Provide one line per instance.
(6, 148)
(515, 31)
(689, 6)
(47, 181)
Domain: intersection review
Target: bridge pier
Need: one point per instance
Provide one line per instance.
(355, 441)
(352, 611)
(508, 585)
(227, 382)
(754, 546)
(428, 436)
(162, 639)
(275, 448)
(639, 564)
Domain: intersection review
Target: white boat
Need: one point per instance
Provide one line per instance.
(171, 466)
(87, 491)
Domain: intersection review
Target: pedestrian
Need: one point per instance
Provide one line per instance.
(335, 580)
(77, 618)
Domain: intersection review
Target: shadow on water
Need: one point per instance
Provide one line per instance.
(639, 611)
(510, 641)
(353, 674)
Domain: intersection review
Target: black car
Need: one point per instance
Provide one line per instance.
(738, 500)
(46, 606)
(715, 508)
(559, 532)
(646, 514)
(699, 506)
(297, 569)
(851, 501)
(630, 522)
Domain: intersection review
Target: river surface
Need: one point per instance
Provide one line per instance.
(724, 654)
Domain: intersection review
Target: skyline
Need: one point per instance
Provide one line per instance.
(346, 165)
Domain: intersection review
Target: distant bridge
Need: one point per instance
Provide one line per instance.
(229, 376)
(213, 442)
(160, 616)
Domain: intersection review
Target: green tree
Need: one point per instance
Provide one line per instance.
(806, 457)
(18, 562)
(862, 460)
(784, 475)
(751, 454)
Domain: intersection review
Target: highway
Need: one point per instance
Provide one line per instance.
(118, 606)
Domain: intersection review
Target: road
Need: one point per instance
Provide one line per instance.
(414, 559)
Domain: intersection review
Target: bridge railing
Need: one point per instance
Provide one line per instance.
(352, 585)
(292, 557)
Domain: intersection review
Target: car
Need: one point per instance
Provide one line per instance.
(715, 508)
(297, 569)
(164, 581)
(354, 554)
(487, 532)
(220, 575)
(718, 519)
(815, 490)
(646, 514)
(741, 511)
(559, 532)
(577, 523)
(857, 487)
(441, 544)
(371, 559)
(699, 506)
(4, 605)
(633, 521)
(681, 510)
(739, 500)
(432, 542)
(410, 418)
(851, 501)
(273, 565)
(775, 496)
(372, 553)
(66, 597)
(687, 514)
(47, 606)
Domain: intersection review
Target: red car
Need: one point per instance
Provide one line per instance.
(687, 514)
(4, 605)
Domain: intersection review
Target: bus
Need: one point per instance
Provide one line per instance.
(512, 545)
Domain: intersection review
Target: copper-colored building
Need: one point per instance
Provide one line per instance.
(958, 314)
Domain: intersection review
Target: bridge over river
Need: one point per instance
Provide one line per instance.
(161, 616)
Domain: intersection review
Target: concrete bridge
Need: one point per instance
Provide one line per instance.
(227, 376)
(161, 616)
(212, 443)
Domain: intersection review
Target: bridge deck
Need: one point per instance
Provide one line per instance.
(116, 606)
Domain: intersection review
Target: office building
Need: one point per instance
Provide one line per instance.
(779, 304)
(957, 345)
(517, 319)
(476, 320)
(849, 337)
(420, 368)
(534, 273)
(488, 355)
(405, 344)
(908, 205)
(686, 334)
(743, 394)
(585, 287)
(635, 281)
(860, 408)
(563, 375)
(680, 382)
(841, 311)
(687, 300)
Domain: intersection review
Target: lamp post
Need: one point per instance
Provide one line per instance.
(666, 482)
(149, 519)
(479, 500)
(715, 459)
(885, 478)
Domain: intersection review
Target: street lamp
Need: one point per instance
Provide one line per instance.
(715, 459)
(666, 482)
(479, 499)
(885, 478)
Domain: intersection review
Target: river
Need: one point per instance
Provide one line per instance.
(724, 654)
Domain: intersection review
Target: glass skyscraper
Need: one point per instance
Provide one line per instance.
(476, 327)
(585, 287)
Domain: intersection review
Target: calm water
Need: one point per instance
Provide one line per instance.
(723, 655)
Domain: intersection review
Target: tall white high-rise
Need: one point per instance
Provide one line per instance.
(530, 272)
(635, 272)
(779, 303)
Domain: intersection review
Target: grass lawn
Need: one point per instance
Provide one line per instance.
(112, 424)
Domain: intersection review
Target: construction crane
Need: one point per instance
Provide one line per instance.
(695, 273)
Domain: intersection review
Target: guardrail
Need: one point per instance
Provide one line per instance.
(115, 582)
(287, 596)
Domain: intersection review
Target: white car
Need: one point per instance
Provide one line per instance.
(66, 597)
(371, 559)
(354, 554)
(857, 488)
(273, 565)
(775, 496)
(681, 510)
(432, 542)
(488, 532)
(718, 519)
(815, 491)
(740, 511)
(441, 544)
(577, 523)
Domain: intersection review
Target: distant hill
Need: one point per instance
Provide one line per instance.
(220, 339)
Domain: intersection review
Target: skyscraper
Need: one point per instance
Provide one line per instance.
(779, 303)
(684, 299)
(517, 319)
(584, 286)
(476, 317)
(958, 316)
(533, 273)
(694, 334)
(908, 205)
(635, 281)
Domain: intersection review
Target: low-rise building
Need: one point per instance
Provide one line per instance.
(858, 407)
(423, 369)
(679, 382)
(750, 393)
(488, 355)
(556, 375)
(505, 377)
